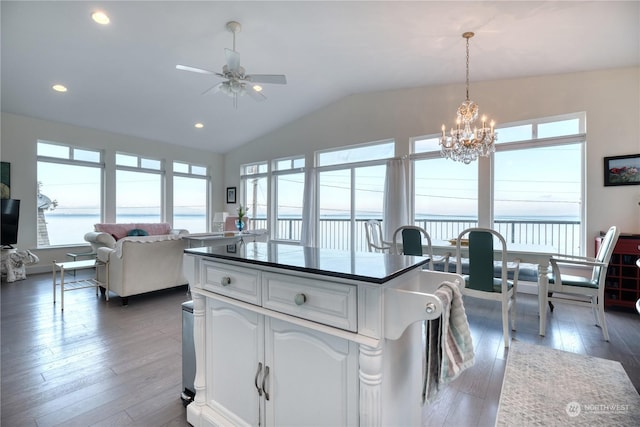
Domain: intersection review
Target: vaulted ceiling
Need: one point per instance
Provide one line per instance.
(122, 77)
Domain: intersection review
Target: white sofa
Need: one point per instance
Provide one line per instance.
(139, 263)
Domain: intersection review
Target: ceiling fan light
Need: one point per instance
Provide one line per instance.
(59, 88)
(257, 88)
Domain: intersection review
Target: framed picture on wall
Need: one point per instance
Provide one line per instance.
(231, 194)
(622, 170)
(5, 179)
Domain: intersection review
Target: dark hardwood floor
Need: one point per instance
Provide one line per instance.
(101, 364)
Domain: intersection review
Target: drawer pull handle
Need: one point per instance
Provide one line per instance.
(226, 281)
(430, 307)
(300, 299)
(255, 380)
(264, 380)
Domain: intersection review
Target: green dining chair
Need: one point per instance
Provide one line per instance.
(414, 240)
(481, 282)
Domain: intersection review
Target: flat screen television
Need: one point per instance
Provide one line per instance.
(9, 222)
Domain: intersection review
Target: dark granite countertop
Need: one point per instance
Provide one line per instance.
(362, 266)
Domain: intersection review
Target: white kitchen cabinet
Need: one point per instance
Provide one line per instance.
(313, 377)
(234, 350)
(271, 368)
(292, 336)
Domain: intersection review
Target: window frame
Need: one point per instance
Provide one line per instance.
(71, 161)
(191, 175)
(354, 231)
(161, 170)
(273, 202)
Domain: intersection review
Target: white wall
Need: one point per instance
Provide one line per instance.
(18, 146)
(611, 99)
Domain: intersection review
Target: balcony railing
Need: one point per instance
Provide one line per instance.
(562, 236)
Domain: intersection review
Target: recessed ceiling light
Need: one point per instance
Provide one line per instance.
(257, 88)
(199, 125)
(100, 17)
(59, 88)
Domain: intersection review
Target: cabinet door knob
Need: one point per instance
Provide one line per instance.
(300, 299)
(226, 281)
(430, 307)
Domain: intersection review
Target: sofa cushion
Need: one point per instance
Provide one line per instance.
(137, 232)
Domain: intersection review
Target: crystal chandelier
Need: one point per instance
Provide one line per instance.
(465, 144)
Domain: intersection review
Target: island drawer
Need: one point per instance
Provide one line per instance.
(324, 302)
(234, 282)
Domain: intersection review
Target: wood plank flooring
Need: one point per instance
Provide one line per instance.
(101, 364)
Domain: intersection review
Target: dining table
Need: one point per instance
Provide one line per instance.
(530, 255)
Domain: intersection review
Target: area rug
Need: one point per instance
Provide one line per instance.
(547, 387)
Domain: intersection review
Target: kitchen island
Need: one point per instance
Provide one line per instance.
(292, 335)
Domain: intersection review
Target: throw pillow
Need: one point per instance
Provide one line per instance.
(137, 232)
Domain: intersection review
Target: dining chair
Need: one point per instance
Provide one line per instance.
(375, 242)
(481, 281)
(414, 240)
(580, 290)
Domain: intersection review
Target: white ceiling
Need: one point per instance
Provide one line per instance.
(122, 77)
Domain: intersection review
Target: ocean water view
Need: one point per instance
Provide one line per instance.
(561, 233)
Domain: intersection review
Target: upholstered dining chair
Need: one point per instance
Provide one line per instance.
(375, 242)
(414, 240)
(481, 281)
(579, 290)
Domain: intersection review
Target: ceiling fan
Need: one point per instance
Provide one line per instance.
(236, 82)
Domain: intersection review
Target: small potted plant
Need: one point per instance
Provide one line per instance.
(242, 213)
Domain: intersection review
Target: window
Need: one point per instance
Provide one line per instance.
(537, 186)
(190, 201)
(288, 185)
(139, 189)
(538, 183)
(69, 199)
(350, 192)
(445, 192)
(255, 191)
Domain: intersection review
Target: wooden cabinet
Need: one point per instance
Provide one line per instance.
(622, 286)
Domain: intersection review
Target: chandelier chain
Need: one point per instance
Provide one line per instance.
(468, 67)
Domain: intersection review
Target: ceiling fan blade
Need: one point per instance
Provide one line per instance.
(233, 60)
(213, 89)
(258, 96)
(267, 78)
(193, 69)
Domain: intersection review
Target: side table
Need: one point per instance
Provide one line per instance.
(76, 255)
(80, 283)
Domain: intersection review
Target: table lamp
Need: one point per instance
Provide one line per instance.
(218, 221)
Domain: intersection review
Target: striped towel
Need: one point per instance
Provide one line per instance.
(448, 344)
